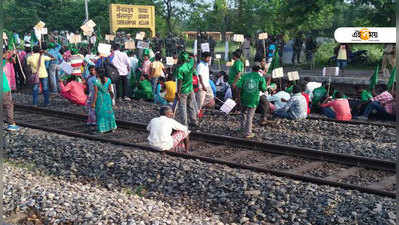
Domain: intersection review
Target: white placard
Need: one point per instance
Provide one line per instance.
(104, 49)
(109, 37)
(41, 24)
(143, 44)
(330, 71)
(262, 36)
(93, 39)
(170, 61)
(238, 37)
(38, 33)
(246, 63)
(139, 36)
(67, 68)
(278, 73)
(294, 75)
(205, 47)
(130, 45)
(90, 23)
(218, 56)
(228, 105)
(5, 36)
(75, 38)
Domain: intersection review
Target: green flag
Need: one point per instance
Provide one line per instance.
(374, 79)
(33, 39)
(11, 41)
(392, 79)
(275, 62)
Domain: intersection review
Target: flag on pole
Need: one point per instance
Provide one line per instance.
(275, 62)
(11, 41)
(392, 79)
(374, 79)
(33, 39)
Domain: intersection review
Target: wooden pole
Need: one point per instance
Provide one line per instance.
(19, 62)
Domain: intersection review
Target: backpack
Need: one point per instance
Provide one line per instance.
(110, 69)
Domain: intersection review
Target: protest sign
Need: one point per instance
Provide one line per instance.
(228, 105)
(246, 63)
(330, 71)
(294, 75)
(205, 47)
(109, 37)
(93, 39)
(170, 61)
(5, 36)
(143, 44)
(218, 56)
(75, 38)
(238, 37)
(104, 49)
(262, 36)
(41, 24)
(90, 23)
(278, 73)
(130, 45)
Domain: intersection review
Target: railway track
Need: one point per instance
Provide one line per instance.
(366, 175)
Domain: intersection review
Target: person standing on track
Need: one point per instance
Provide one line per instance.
(166, 133)
(235, 75)
(8, 105)
(122, 63)
(91, 120)
(185, 91)
(249, 86)
(205, 93)
(102, 103)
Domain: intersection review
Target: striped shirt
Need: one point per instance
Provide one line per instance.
(385, 99)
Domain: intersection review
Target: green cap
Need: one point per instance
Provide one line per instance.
(146, 52)
(51, 45)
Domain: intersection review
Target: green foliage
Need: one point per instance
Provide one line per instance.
(324, 52)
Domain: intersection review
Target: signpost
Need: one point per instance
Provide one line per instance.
(132, 16)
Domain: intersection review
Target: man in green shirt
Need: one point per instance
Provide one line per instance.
(8, 105)
(185, 91)
(235, 74)
(249, 86)
(319, 94)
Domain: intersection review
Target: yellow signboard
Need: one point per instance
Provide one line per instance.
(132, 16)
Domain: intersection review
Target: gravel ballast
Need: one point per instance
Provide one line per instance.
(87, 182)
(362, 140)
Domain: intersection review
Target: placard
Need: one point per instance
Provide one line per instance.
(109, 37)
(91, 23)
(246, 63)
(205, 47)
(170, 61)
(238, 37)
(104, 49)
(44, 30)
(41, 24)
(228, 105)
(278, 73)
(88, 33)
(262, 36)
(5, 36)
(75, 38)
(140, 36)
(330, 71)
(143, 44)
(93, 39)
(218, 56)
(130, 45)
(294, 75)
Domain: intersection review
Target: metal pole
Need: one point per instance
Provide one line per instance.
(87, 10)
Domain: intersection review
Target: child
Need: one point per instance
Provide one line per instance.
(158, 99)
(157, 71)
(170, 87)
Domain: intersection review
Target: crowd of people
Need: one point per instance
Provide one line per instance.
(186, 88)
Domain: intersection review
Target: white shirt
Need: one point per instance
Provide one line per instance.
(276, 98)
(203, 71)
(310, 87)
(121, 62)
(161, 132)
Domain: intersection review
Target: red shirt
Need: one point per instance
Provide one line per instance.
(307, 100)
(341, 108)
(74, 91)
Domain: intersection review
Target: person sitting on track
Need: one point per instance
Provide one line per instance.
(337, 109)
(383, 104)
(296, 107)
(74, 91)
(166, 133)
